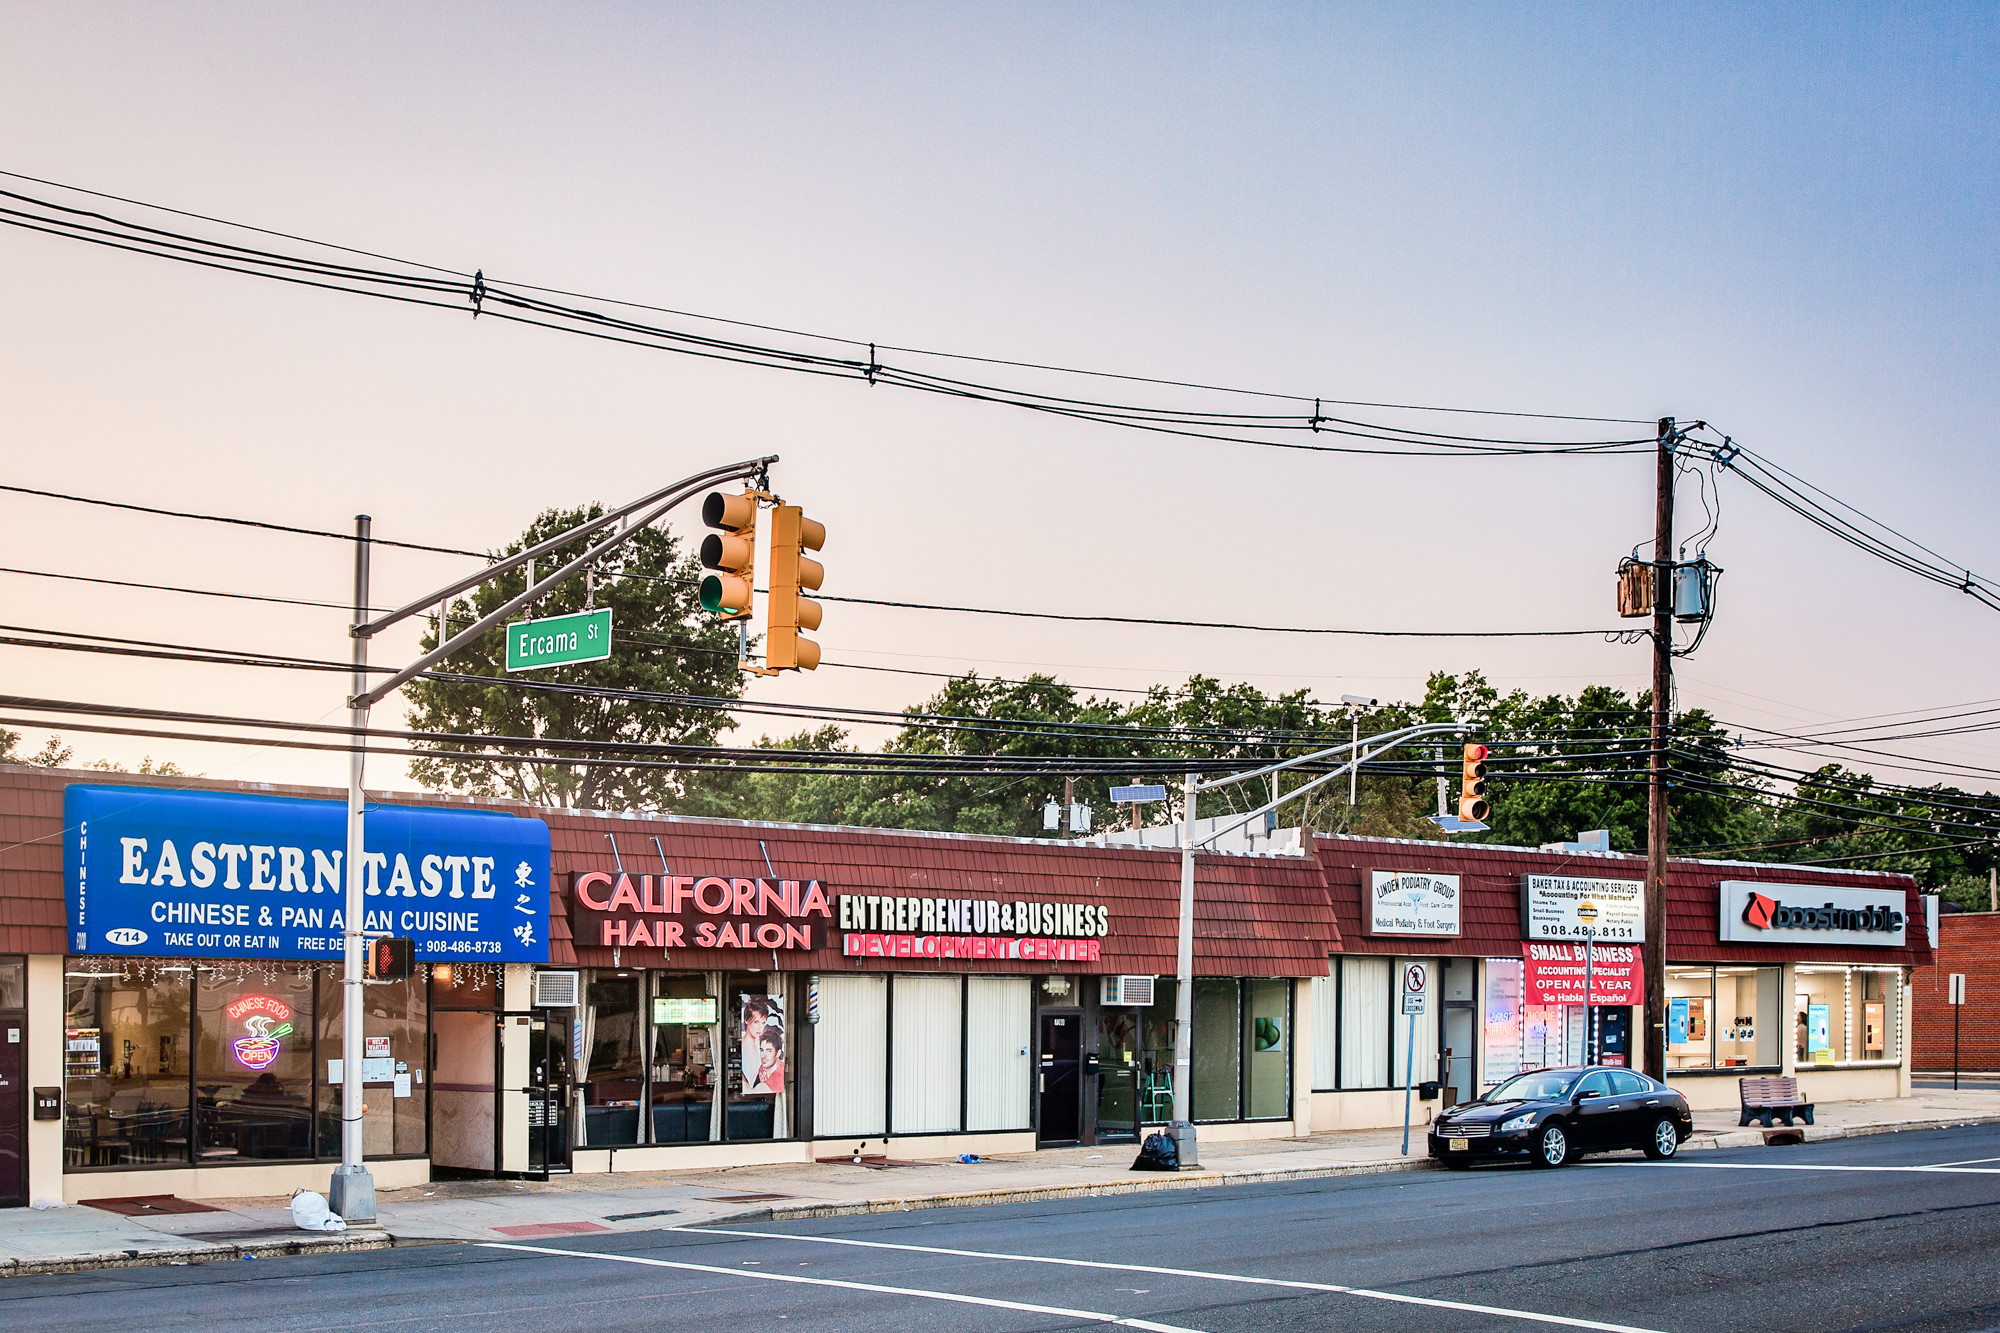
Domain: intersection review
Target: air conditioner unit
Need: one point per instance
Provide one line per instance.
(1128, 990)
(555, 990)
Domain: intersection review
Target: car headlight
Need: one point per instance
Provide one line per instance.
(1518, 1123)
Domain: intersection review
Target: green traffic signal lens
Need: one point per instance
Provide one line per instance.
(711, 594)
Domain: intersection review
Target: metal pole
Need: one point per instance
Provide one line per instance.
(1589, 1027)
(1067, 824)
(1409, 1072)
(1183, 1126)
(1656, 768)
(1354, 775)
(1955, 1010)
(352, 1191)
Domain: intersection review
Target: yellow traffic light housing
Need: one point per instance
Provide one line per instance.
(1473, 806)
(731, 551)
(792, 535)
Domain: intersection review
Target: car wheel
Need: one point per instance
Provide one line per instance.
(1551, 1146)
(1664, 1140)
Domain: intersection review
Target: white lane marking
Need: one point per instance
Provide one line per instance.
(1365, 1292)
(1943, 1169)
(1970, 1161)
(1090, 1316)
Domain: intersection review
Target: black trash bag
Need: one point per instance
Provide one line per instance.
(1158, 1153)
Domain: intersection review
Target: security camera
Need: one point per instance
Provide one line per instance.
(1358, 700)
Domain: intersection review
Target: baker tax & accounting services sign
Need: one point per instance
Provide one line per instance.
(614, 909)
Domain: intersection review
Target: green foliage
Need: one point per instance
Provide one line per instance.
(53, 754)
(663, 643)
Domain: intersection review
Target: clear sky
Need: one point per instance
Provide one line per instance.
(1780, 219)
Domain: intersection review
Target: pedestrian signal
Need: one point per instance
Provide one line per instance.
(391, 958)
(1473, 806)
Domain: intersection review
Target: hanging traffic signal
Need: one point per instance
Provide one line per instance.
(1473, 806)
(731, 552)
(391, 958)
(792, 535)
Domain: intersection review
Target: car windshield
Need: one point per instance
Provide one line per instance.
(1541, 1083)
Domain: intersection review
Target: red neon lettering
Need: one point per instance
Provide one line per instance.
(798, 937)
(675, 935)
(770, 935)
(679, 890)
(583, 884)
(746, 896)
(769, 896)
(815, 902)
(614, 933)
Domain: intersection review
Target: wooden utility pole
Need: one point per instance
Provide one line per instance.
(1656, 775)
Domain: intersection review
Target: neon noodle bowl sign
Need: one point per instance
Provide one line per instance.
(267, 1020)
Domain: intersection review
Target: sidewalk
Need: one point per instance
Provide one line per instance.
(70, 1239)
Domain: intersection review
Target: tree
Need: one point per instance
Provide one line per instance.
(663, 643)
(53, 754)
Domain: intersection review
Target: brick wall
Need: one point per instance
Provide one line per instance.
(1968, 942)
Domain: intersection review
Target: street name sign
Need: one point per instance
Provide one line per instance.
(559, 640)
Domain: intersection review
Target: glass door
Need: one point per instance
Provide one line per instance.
(546, 1094)
(1117, 1075)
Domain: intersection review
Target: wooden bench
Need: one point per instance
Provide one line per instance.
(1765, 1097)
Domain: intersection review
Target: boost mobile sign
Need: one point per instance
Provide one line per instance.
(170, 872)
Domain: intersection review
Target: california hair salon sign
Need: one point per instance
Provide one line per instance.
(615, 910)
(1411, 902)
(1763, 913)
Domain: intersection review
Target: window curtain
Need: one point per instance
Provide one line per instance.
(851, 1057)
(998, 1026)
(1364, 1022)
(1325, 1030)
(927, 1062)
(581, 1045)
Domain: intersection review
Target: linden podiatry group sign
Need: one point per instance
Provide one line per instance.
(179, 873)
(1412, 902)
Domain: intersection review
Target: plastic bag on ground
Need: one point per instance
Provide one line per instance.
(1158, 1153)
(310, 1213)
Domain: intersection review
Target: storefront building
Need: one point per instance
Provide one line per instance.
(602, 992)
(1771, 969)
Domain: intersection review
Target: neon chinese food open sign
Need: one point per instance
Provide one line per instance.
(267, 1021)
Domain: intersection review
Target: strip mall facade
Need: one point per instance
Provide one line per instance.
(693, 993)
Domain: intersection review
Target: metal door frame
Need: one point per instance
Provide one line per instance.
(26, 1099)
(1075, 1014)
(557, 1109)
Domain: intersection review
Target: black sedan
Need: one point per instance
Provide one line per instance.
(1552, 1115)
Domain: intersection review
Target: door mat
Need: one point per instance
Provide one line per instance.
(149, 1205)
(551, 1229)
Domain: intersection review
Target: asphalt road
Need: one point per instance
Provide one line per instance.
(1893, 1232)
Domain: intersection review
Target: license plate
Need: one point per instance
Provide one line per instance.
(1460, 1145)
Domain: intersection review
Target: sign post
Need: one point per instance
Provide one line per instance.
(1957, 1001)
(1416, 980)
(1589, 1014)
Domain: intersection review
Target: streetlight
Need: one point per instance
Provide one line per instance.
(1355, 703)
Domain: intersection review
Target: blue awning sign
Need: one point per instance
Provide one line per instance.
(174, 872)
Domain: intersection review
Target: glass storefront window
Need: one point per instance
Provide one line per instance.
(126, 1064)
(1364, 1021)
(253, 1073)
(759, 1033)
(13, 983)
(1690, 1013)
(395, 1066)
(684, 1016)
(1217, 1072)
(612, 1070)
(1156, 1054)
(1267, 1048)
(1846, 1015)
(1503, 1018)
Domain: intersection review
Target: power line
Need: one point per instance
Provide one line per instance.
(831, 338)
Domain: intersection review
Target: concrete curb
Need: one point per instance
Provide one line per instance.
(1193, 1180)
(346, 1242)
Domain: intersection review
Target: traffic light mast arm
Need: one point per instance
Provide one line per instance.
(673, 496)
(1358, 752)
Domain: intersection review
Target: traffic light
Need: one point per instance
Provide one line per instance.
(1473, 806)
(731, 551)
(391, 958)
(792, 535)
